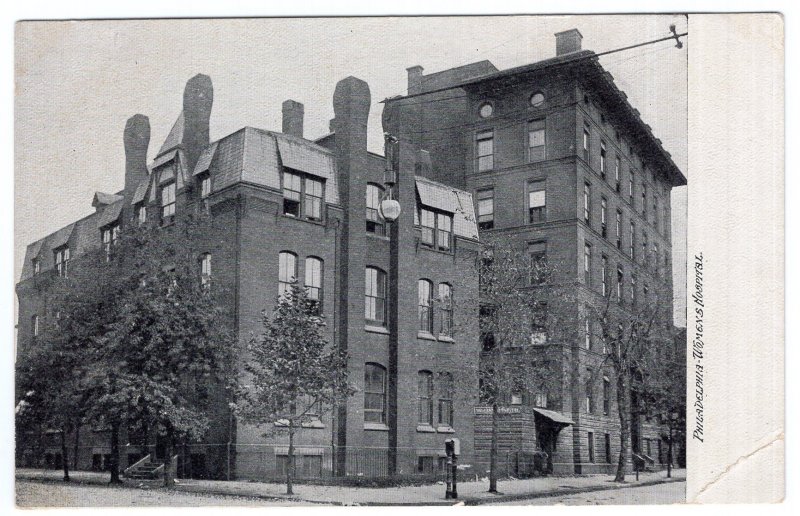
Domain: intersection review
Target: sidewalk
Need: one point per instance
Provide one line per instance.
(470, 493)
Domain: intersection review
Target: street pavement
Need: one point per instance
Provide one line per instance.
(658, 494)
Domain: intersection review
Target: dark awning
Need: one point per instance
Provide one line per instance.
(555, 417)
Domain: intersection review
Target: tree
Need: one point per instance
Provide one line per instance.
(294, 376)
(517, 331)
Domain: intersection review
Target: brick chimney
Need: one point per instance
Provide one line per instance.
(136, 139)
(292, 118)
(198, 97)
(414, 79)
(568, 41)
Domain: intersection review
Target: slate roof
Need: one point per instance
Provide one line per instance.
(175, 136)
(102, 199)
(446, 198)
(110, 214)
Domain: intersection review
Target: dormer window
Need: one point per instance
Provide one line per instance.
(167, 204)
(62, 261)
(141, 213)
(36, 263)
(109, 235)
(374, 220)
(437, 229)
(205, 185)
(302, 196)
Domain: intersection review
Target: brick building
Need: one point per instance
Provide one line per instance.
(286, 207)
(560, 163)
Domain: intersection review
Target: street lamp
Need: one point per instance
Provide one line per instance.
(673, 418)
(389, 207)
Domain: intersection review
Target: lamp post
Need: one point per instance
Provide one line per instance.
(390, 207)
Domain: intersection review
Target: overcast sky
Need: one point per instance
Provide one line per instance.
(78, 82)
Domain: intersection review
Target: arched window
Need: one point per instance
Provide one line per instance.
(287, 271)
(446, 300)
(445, 393)
(374, 393)
(425, 305)
(314, 280)
(205, 270)
(375, 296)
(374, 220)
(35, 325)
(425, 396)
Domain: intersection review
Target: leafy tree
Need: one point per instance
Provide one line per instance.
(294, 375)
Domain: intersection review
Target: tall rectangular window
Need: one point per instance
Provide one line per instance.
(287, 271)
(205, 270)
(587, 203)
(618, 229)
(486, 208)
(646, 292)
(427, 221)
(539, 324)
(608, 448)
(591, 446)
(604, 276)
(603, 217)
(485, 150)
(537, 251)
(36, 263)
(644, 201)
(536, 140)
(425, 397)
(620, 284)
(167, 203)
(205, 186)
(587, 264)
(586, 142)
(603, 159)
(141, 213)
(445, 392)
(314, 281)
(644, 248)
(62, 261)
(374, 394)
(446, 303)
(425, 306)
(655, 214)
(606, 395)
(313, 199)
(35, 325)
(617, 174)
(375, 296)
(537, 200)
(633, 290)
(374, 220)
(109, 235)
(292, 188)
(587, 330)
(589, 391)
(632, 240)
(630, 187)
(444, 231)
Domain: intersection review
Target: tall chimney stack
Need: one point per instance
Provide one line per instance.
(292, 118)
(568, 41)
(136, 139)
(198, 97)
(414, 79)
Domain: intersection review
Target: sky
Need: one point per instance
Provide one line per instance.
(76, 84)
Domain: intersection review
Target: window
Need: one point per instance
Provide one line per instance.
(644, 247)
(374, 393)
(656, 258)
(644, 201)
(618, 229)
(141, 213)
(603, 212)
(591, 446)
(647, 448)
(445, 392)
(287, 271)
(540, 400)
(205, 270)
(604, 276)
(587, 329)
(587, 264)
(62, 261)
(630, 186)
(655, 213)
(375, 297)
(446, 300)
(516, 398)
(536, 202)
(539, 324)
(536, 141)
(314, 281)
(375, 223)
(631, 241)
(109, 235)
(35, 325)
(617, 174)
(589, 391)
(587, 203)
(620, 283)
(487, 322)
(537, 99)
(486, 208)
(633, 289)
(436, 228)
(167, 203)
(313, 199)
(538, 256)
(646, 292)
(425, 306)
(485, 150)
(603, 159)
(291, 194)
(586, 142)
(606, 395)
(486, 110)
(36, 263)
(425, 397)
(205, 185)
(608, 448)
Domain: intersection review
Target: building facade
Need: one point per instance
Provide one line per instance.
(561, 165)
(286, 208)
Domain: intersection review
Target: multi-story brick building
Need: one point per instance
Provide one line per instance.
(286, 207)
(559, 162)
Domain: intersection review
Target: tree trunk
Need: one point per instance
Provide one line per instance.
(169, 478)
(493, 451)
(64, 453)
(290, 459)
(669, 454)
(76, 446)
(114, 465)
(624, 411)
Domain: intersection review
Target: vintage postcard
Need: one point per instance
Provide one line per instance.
(397, 261)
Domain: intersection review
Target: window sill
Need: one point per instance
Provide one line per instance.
(424, 335)
(316, 423)
(316, 222)
(426, 429)
(445, 430)
(446, 338)
(376, 329)
(381, 427)
(378, 237)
